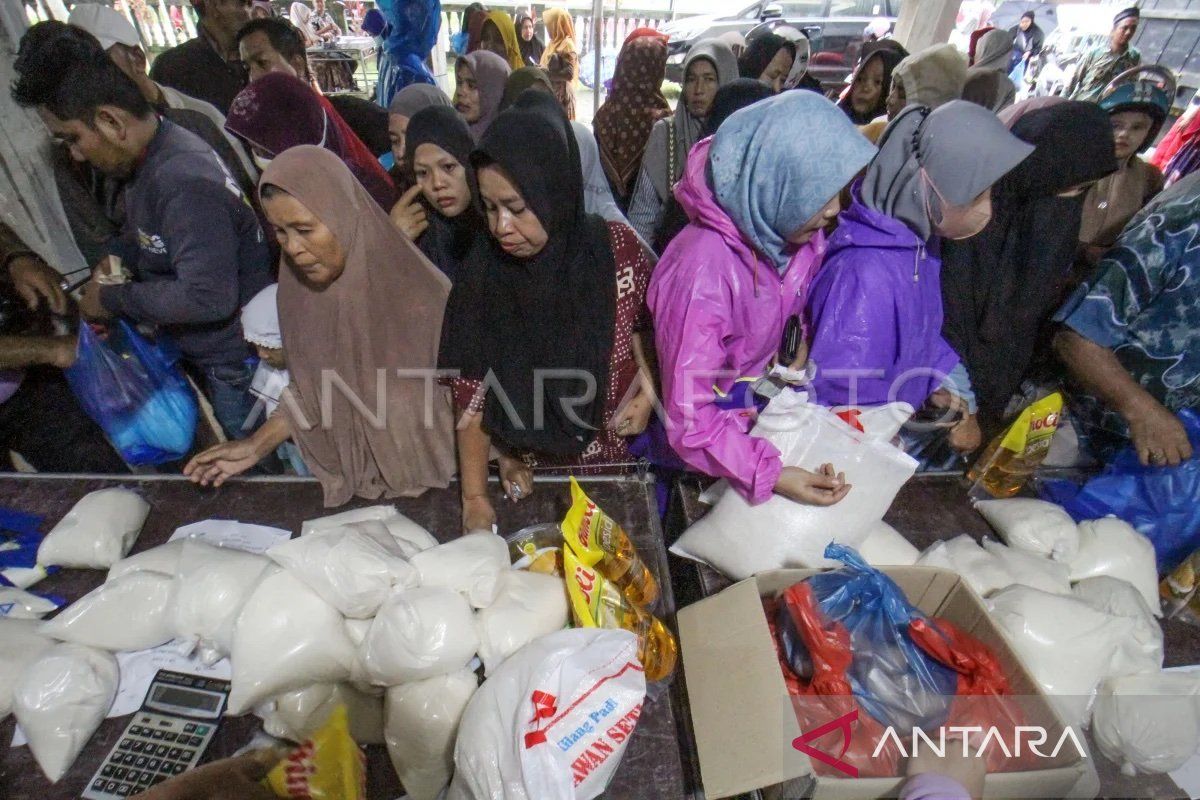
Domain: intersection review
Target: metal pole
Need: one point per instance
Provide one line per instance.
(598, 46)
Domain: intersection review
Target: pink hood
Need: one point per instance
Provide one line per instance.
(719, 313)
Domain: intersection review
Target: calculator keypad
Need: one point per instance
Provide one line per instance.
(152, 749)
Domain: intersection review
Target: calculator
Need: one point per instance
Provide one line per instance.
(165, 737)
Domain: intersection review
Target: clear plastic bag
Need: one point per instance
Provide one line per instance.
(135, 392)
(133, 612)
(1142, 651)
(1066, 644)
(740, 539)
(20, 646)
(421, 726)
(1032, 525)
(97, 532)
(417, 634)
(211, 588)
(1148, 723)
(353, 567)
(471, 564)
(297, 715)
(529, 605)
(286, 638)
(962, 555)
(61, 700)
(1112, 547)
(164, 559)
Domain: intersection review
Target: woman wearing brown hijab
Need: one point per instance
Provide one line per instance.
(636, 102)
(358, 304)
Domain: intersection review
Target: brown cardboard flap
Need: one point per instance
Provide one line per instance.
(741, 712)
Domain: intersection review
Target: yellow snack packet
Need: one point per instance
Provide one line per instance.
(327, 766)
(598, 541)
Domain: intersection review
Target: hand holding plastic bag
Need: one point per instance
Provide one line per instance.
(136, 393)
(1160, 502)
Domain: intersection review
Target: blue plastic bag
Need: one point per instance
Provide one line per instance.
(136, 393)
(1163, 503)
(893, 679)
(1018, 74)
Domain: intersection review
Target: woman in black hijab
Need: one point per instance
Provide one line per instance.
(531, 46)
(437, 151)
(769, 59)
(866, 99)
(552, 288)
(1000, 287)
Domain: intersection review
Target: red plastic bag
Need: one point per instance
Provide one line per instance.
(825, 699)
(984, 698)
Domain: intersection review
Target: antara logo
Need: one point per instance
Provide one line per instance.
(1031, 737)
(843, 724)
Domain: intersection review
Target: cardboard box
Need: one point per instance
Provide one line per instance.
(743, 717)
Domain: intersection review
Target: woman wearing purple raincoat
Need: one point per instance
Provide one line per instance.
(875, 309)
(757, 196)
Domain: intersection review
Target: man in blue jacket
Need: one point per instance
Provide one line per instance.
(191, 245)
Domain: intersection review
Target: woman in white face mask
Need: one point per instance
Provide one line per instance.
(875, 308)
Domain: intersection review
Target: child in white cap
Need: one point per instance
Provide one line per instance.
(260, 327)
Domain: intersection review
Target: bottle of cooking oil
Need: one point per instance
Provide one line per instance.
(1012, 456)
(599, 542)
(597, 602)
(657, 649)
(1181, 599)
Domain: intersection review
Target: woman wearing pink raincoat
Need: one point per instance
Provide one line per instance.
(757, 195)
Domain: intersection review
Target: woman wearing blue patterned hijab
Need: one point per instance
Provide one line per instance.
(771, 181)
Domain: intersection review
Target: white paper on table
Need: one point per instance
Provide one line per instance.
(138, 668)
(1187, 777)
(230, 533)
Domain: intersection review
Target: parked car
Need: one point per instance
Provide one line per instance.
(834, 28)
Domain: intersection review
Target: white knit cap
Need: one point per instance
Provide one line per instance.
(260, 319)
(109, 26)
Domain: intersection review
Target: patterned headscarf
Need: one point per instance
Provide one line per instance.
(771, 181)
(635, 103)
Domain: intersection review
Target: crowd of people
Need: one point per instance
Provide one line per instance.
(510, 286)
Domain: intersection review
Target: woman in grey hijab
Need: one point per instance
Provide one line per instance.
(710, 64)
(881, 278)
(987, 83)
(405, 104)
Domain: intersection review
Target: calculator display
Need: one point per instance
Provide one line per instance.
(183, 698)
